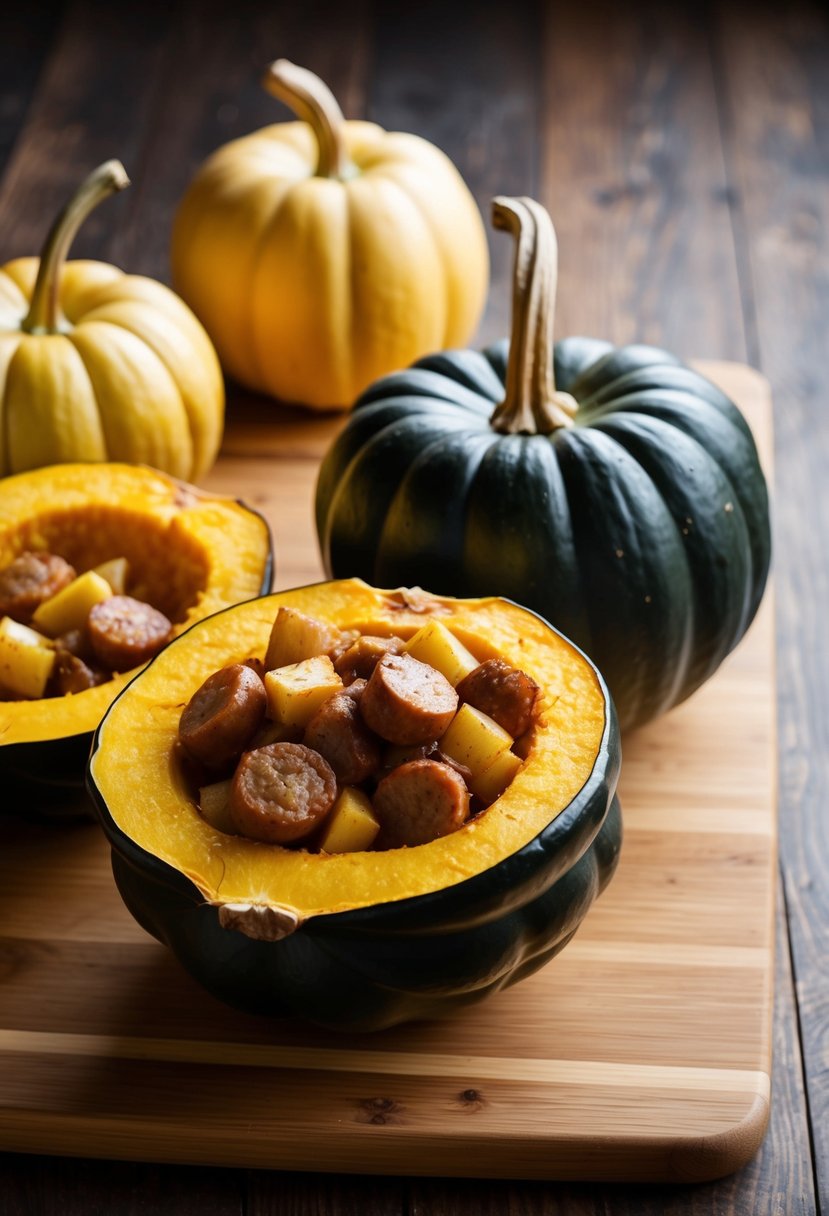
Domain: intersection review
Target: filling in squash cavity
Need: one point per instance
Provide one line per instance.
(311, 669)
(342, 741)
(62, 632)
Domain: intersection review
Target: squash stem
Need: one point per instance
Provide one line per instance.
(532, 404)
(312, 101)
(44, 315)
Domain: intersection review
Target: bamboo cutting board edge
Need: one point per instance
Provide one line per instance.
(484, 1112)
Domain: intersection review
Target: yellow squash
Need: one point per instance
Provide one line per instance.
(99, 365)
(322, 254)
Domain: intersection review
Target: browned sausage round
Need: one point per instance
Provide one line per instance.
(281, 792)
(124, 632)
(256, 665)
(363, 655)
(504, 693)
(418, 802)
(406, 701)
(339, 734)
(75, 642)
(223, 715)
(71, 674)
(31, 579)
(355, 689)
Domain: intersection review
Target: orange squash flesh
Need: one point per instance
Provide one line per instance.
(189, 554)
(136, 750)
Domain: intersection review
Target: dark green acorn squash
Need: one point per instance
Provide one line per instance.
(190, 553)
(360, 941)
(612, 490)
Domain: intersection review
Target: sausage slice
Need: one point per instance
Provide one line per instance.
(406, 701)
(507, 695)
(281, 792)
(338, 733)
(124, 632)
(355, 689)
(71, 674)
(31, 579)
(223, 715)
(363, 655)
(419, 802)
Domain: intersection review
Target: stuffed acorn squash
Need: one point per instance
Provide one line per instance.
(188, 553)
(367, 939)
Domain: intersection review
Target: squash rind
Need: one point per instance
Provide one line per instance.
(368, 967)
(641, 531)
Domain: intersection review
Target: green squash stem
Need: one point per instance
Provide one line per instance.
(44, 315)
(312, 101)
(532, 405)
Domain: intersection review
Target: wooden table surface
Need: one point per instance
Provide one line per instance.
(684, 159)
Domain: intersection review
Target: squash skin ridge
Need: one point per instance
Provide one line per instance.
(622, 380)
(390, 962)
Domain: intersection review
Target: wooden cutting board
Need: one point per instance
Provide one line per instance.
(642, 1052)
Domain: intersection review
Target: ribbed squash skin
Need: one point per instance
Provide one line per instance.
(642, 532)
(374, 966)
(419, 958)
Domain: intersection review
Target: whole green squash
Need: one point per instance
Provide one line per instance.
(614, 491)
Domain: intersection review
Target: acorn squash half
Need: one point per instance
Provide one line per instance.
(189, 553)
(361, 941)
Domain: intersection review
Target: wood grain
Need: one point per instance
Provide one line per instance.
(634, 177)
(492, 128)
(104, 1041)
(778, 157)
(87, 1187)
(89, 107)
(226, 48)
(25, 36)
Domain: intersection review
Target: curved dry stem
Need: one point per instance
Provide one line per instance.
(312, 101)
(532, 404)
(262, 922)
(44, 315)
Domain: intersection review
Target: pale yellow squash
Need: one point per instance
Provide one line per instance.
(323, 254)
(99, 365)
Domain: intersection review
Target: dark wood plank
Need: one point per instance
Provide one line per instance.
(775, 86)
(209, 92)
(26, 36)
(324, 1195)
(635, 179)
(470, 86)
(92, 103)
(52, 1186)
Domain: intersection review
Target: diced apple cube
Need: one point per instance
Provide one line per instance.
(26, 660)
(115, 571)
(474, 740)
(70, 607)
(295, 637)
(436, 645)
(351, 826)
(296, 692)
(492, 782)
(214, 804)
